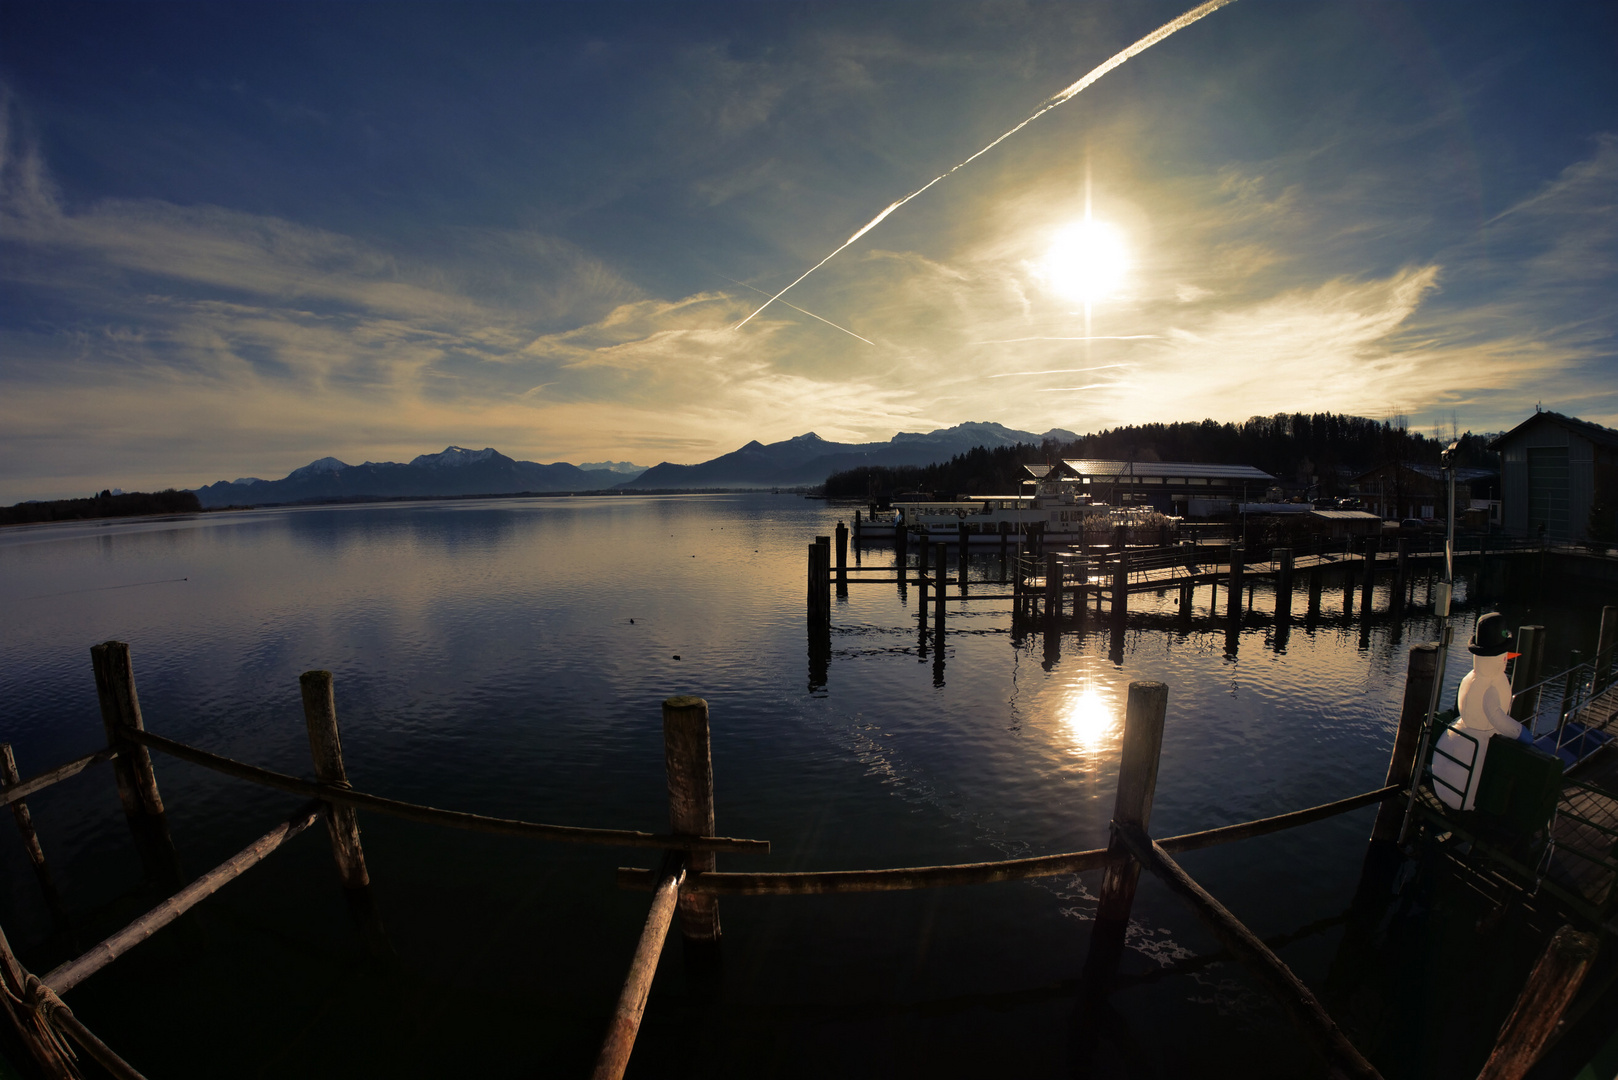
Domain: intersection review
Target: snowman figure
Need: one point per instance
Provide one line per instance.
(1485, 705)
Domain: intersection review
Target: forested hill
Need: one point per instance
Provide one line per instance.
(1287, 446)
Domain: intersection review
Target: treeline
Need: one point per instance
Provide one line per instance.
(104, 505)
(1289, 446)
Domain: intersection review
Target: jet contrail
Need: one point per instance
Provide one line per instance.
(1092, 386)
(1082, 337)
(795, 307)
(1050, 103)
(1058, 371)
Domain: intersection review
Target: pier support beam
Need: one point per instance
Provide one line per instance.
(320, 717)
(1421, 669)
(1120, 583)
(688, 761)
(1525, 671)
(941, 560)
(1233, 589)
(1368, 582)
(1283, 581)
(842, 558)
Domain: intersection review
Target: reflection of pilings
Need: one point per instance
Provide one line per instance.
(819, 651)
(1317, 577)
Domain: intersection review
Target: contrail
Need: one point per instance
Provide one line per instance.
(795, 307)
(1050, 103)
(1092, 386)
(1082, 337)
(1058, 371)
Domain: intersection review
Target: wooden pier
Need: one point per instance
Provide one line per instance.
(686, 885)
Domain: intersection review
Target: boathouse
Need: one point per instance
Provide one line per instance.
(1169, 486)
(1559, 478)
(1403, 489)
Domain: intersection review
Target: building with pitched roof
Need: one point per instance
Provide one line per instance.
(1559, 478)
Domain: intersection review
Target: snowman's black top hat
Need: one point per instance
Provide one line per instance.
(1491, 636)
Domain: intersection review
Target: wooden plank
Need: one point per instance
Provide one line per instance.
(1288, 989)
(66, 976)
(626, 1017)
(455, 819)
(799, 883)
(21, 790)
(1550, 989)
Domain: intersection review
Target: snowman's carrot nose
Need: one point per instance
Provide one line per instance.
(1512, 655)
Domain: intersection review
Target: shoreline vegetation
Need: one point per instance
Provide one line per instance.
(104, 505)
(1291, 447)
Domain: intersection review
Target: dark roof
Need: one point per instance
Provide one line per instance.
(1601, 436)
(1095, 467)
(1433, 472)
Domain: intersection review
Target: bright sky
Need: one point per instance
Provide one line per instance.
(238, 237)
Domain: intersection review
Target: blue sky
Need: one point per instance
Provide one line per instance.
(237, 237)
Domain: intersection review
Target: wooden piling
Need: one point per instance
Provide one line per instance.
(1545, 997)
(1401, 574)
(1368, 581)
(1317, 577)
(1420, 671)
(688, 761)
(120, 713)
(901, 548)
(856, 528)
(842, 558)
(1283, 581)
(1137, 782)
(1053, 589)
(1186, 589)
(963, 535)
(1525, 671)
(320, 717)
(941, 557)
(1120, 583)
(1233, 589)
(30, 837)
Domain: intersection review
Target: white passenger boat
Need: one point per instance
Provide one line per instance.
(1057, 506)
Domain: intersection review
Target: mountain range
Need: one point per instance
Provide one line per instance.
(805, 459)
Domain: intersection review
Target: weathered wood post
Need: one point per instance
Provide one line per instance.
(1186, 589)
(1233, 588)
(963, 534)
(688, 760)
(1401, 574)
(901, 548)
(1368, 582)
(941, 557)
(1120, 582)
(856, 528)
(325, 746)
(1053, 589)
(1545, 997)
(1317, 577)
(1525, 671)
(922, 579)
(1283, 581)
(30, 837)
(120, 712)
(813, 601)
(842, 558)
(1420, 671)
(132, 768)
(1137, 782)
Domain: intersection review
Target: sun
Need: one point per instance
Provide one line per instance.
(1087, 260)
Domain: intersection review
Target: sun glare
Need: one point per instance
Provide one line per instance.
(1090, 719)
(1087, 261)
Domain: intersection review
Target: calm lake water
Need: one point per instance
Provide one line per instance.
(509, 657)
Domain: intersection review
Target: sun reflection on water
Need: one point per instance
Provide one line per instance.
(1090, 719)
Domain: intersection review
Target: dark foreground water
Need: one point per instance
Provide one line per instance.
(509, 657)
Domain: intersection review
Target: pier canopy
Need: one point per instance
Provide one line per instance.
(1168, 486)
